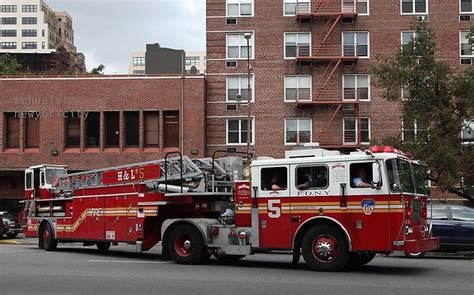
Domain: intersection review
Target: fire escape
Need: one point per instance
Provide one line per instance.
(327, 14)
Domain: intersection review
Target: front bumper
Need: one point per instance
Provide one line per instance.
(424, 245)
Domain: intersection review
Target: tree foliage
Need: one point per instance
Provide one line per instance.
(98, 71)
(9, 65)
(439, 101)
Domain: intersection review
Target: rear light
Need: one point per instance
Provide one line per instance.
(408, 211)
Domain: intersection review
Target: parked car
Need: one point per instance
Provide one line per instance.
(9, 226)
(454, 225)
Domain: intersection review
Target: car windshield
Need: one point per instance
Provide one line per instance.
(400, 176)
(52, 174)
(462, 214)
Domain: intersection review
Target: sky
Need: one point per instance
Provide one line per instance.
(108, 31)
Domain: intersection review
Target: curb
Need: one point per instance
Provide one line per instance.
(9, 242)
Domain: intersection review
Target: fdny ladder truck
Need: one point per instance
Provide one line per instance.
(335, 210)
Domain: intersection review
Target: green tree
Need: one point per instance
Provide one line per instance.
(440, 102)
(98, 71)
(9, 65)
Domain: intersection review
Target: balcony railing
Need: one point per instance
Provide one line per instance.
(326, 7)
(347, 51)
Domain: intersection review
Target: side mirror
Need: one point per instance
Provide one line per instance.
(396, 187)
(376, 175)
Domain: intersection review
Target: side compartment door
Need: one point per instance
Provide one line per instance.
(79, 218)
(96, 218)
(273, 206)
(110, 218)
(132, 217)
(120, 213)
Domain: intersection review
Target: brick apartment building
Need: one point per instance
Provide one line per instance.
(95, 122)
(310, 63)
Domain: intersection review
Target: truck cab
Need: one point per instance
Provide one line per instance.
(40, 179)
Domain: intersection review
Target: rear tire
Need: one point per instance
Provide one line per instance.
(415, 255)
(325, 248)
(103, 246)
(12, 235)
(186, 246)
(48, 241)
(360, 259)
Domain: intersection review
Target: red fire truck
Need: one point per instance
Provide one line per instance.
(335, 210)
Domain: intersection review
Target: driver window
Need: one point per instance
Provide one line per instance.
(42, 178)
(361, 175)
(274, 179)
(311, 177)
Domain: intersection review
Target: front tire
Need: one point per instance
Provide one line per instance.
(325, 248)
(186, 246)
(415, 255)
(103, 246)
(49, 243)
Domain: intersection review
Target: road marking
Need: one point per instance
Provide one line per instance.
(9, 242)
(127, 261)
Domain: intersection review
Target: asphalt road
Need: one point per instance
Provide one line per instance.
(73, 269)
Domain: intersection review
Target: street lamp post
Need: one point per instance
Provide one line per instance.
(247, 37)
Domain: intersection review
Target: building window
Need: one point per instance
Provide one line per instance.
(237, 46)
(171, 129)
(73, 131)
(12, 135)
(355, 44)
(8, 20)
(139, 72)
(293, 6)
(239, 8)
(412, 131)
(414, 6)
(29, 8)
(467, 6)
(32, 132)
(93, 129)
(7, 8)
(29, 20)
(467, 134)
(132, 124)
(407, 37)
(297, 88)
(356, 87)
(193, 60)
(29, 45)
(7, 33)
(152, 129)
(238, 90)
(8, 45)
(298, 131)
(351, 130)
(297, 44)
(363, 7)
(29, 33)
(139, 61)
(112, 129)
(237, 131)
(465, 46)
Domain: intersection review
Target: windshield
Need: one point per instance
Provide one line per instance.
(420, 179)
(400, 176)
(52, 174)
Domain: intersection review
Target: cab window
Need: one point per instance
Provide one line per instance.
(29, 180)
(274, 179)
(313, 177)
(361, 175)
